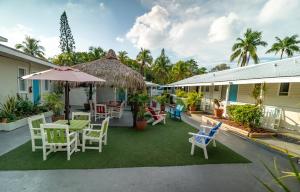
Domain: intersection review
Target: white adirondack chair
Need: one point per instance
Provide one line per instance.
(94, 135)
(203, 138)
(101, 111)
(34, 123)
(271, 117)
(57, 137)
(117, 112)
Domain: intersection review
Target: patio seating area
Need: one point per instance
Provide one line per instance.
(126, 147)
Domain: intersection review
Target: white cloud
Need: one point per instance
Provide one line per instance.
(120, 39)
(222, 28)
(149, 29)
(277, 9)
(17, 34)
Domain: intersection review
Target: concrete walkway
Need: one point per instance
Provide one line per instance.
(222, 177)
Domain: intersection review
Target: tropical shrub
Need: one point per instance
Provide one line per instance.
(8, 108)
(193, 98)
(162, 99)
(248, 115)
(181, 93)
(53, 101)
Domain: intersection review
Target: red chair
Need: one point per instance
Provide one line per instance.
(156, 117)
(101, 111)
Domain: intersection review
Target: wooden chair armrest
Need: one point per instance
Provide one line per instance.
(73, 133)
(204, 136)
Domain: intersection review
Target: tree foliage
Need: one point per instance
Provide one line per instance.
(220, 67)
(246, 48)
(67, 43)
(145, 58)
(31, 46)
(161, 68)
(288, 46)
(73, 58)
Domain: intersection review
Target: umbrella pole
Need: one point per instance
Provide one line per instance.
(67, 106)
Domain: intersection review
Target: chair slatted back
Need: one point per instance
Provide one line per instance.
(105, 125)
(153, 114)
(35, 122)
(55, 133)
(100, 108)
(81, 116)
(211, 133)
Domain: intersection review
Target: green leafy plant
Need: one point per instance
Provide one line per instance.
(181, 93)
(140, 100)
(279, 176)
(54, 102)
(24, 107)
(193, 98)
(8, 108)
(248, 115)
(256, 93)
(162, 99)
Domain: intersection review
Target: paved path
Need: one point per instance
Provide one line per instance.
(222, 177)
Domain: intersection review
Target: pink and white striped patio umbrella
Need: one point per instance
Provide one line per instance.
(65, 74)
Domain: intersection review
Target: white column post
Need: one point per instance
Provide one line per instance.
(115, 94)
(126, 96)
(226, 100)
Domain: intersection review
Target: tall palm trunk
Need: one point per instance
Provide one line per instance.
(142, 68)
(281, 55)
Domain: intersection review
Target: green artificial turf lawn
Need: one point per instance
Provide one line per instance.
(159, 145)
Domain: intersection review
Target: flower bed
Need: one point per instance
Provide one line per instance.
(238, 128)
(19, 123)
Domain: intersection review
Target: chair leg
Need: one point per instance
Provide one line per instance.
(100, 145)
(83, 144)
(105, 140)
(192, 149)
(214, 143)
(205, 153)
(44, 153)
(33, 145)
(68, 152)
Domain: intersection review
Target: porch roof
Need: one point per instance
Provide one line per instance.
(285, 70)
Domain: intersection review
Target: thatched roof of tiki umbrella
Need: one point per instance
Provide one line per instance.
(113, 71)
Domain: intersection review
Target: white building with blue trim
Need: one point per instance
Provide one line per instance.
(281, 95)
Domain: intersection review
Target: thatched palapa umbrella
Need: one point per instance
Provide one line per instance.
(114, 72)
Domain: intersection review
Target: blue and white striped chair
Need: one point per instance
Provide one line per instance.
(202, 138)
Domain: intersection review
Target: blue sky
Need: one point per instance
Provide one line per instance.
(200, 29)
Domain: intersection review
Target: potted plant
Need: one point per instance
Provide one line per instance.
(161, 99)
(3, 118)
(54, 102)
(218, 112)
(192, 99)
(138, 102)
(141, 122)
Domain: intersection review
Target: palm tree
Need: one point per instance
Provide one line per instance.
(161, 67)
(181, 70)
(123, 56)
(246, 48)
(288, 45)
(95, 53)
(31, 46)
(144, 57)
